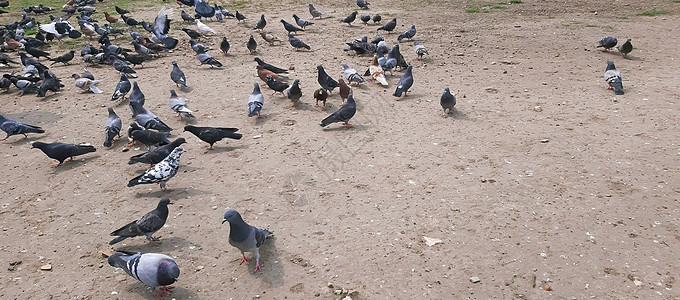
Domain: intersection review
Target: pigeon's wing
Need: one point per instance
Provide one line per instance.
(260, 236)
(150, 222)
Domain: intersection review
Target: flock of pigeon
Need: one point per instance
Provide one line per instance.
(159, 270)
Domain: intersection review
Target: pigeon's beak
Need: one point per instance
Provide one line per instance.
(224, 221)
(171, 203)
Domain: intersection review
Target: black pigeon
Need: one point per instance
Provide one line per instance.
(405, 83)
(294, 92)
(408, 34)
(626, 48)
(12, 127)
(269, 67)
(49, 83)
(4, 4)
(147, 137)
(147, 225)
(113, 127)
(344, 114)
(389, 26)
(122, 88)
(122, 11)
(302, 23)
(156, 155)
(177, 76)
(365, 19)
(211, 135)
(277, 86)
(26, 61)
(447, 101)
(37, 53)
(61, 151)
(252, 44)
(290, 27)
(297, 43)
(136, 97)
(240, 17)
(204, 9)
(349, 19)
(65, 59)
(136, 59)
(377, 18)
(186, 17)
(224, 46)
(607, 43)
(129, 21)
(193, 34)
(261, 23)
(363, 4)
(324, 80)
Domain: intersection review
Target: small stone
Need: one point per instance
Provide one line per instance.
(538, 108)
(637, 282)
(114, 293)
(460, 54)
(431, 241)
(46, 267)
(544, 83)
(257, 136)
(474, 279)
(545, 141)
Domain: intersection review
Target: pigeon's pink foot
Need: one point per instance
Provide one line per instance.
(167, 288)
(55, 166)
(348, 125)
(257, 267)
(244, 260)
(159, 294)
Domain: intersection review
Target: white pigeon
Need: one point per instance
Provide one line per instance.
(86, 84)
(420, 50)
(377, 72)
(203, 27)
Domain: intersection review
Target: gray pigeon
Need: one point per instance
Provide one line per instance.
(252, 45)
(147, 225)
(351, 75)
(136, 98)
(326, 82)
(205, 58)
(363, 4)
(613, 77)
(179, 105)
(152, 269)
(177, 76)
(61, 151)
(261, 23)
(294, 92)
(147, 137)
(626, 48)
(147, 119)
(158, 154)
(343, 114)
(255, 101)
(122, 88)
(113, 127)
(315, 12)
(349, 19)
(408, 34)
(244, 237)
(161, 172)
(12, 127)
(389, 26)
(297, 43)
(302, 23)
(405, 82)
(447, 101)
(607, 42)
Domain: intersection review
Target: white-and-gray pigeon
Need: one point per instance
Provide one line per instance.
(613, 77)
(255, 101)
(244, 237)
(160, 172)
(351, 75)
(152, 269)
(88, 85)
(179, 105)
(177, 76)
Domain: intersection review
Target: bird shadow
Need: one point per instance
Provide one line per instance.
(146, 292)
(30, 139)
(162, 245)
(69, 165)
(173, 192)
(265, 118)
(225, 148)
(458, 114)
(271, 272)
(186, 89)
(340, 127)
(49, 97)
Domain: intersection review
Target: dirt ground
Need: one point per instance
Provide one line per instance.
(541, 177)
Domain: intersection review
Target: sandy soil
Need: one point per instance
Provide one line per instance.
(541, 177)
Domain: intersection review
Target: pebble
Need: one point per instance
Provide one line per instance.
(474, 279)
(544, 141)
(46, 267)
(257, 136)
(538, 108)
(431, 241)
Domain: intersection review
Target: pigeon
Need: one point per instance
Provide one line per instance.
(122, 88)
(218, 13)
(49, 83)
(120, 65)
(607, 43)
(324, 80)
(408, 34)
(109, 18)
(244, 237)
(37, 53)
(297, 43)
(205, 58)
(203, 9)
(161, 27)
(377, 18)
(321, 95)
(447, 101)
(300, 22)
(365, 19)
(626, 48)
(363, 4)
(136, 97)
(121, 11)
(349, 19)
(204, 28)
(345, 90)
(177, 76)
(389, 26)
(315, 12)
(211, 135)
(613, 77)
(61, 151)
(88, 85)
(240, 17)
(186, 17)
(179, 105)
(129, 21)
(269, 67)
(405, 82)
(343, 114)
(252, 45)
(12, 127)
(152, 269)
(146, 118)
(255, 101)
(157, 154)
(26, 61)
(113, 127)
(290, 27)
(224, 46)
(294, 92)
(64, 59)
(420, 50)
(197, 47)
(192, 33)
(351, 75)
(277, 86)
(263, 73)
(160, 172)
(147, 225)
(386, 63)
(270, 38)
(147, 137)
(261, 23)
(396, 54)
